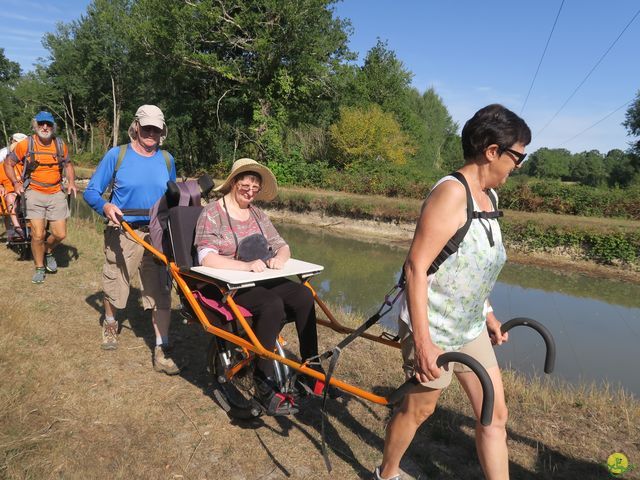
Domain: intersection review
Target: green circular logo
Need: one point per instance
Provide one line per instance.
(617, 463)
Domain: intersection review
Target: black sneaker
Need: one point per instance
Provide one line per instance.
(274, 402)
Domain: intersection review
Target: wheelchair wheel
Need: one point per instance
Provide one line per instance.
(234, 395)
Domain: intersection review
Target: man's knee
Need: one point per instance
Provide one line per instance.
(37, 235)
(58, 236)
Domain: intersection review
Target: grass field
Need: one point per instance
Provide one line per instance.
(70, 410)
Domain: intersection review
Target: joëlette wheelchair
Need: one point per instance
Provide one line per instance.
(21, 244)
(207, 297)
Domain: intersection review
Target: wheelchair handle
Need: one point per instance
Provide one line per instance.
(550, 357)
(486, 414)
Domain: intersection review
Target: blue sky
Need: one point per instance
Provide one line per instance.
(472, 53)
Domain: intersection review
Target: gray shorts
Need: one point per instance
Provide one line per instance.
(479, 348)
(46, 206)
(124, 257)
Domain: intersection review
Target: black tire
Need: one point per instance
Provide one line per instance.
(235, 396)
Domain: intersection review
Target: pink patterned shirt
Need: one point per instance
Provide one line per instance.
(213, 233)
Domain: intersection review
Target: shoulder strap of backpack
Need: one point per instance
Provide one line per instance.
(452, 245)
(495, 213)
(29, 160)
(167, 160)
(121, 153)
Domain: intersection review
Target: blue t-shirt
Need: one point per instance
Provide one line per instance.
(140, 181)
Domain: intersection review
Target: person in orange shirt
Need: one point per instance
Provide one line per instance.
(43, 157)
(6, 187)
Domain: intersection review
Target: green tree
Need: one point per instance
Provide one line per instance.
(9, 75)
(369, 134)
(588, 168)
(550, 163)
(632, 122)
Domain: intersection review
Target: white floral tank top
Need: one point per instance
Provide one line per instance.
(458, 290)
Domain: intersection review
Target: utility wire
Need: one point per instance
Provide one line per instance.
(542, 57)
(589, 74)
(599, 121)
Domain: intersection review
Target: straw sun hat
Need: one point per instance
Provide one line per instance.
(269, 183)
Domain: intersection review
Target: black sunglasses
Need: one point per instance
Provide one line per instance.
(520, 157)
(45, 123)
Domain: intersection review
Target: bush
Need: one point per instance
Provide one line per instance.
(571, 199)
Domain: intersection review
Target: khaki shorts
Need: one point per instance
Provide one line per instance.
(479, 348)
(46, 206)
(123, 258)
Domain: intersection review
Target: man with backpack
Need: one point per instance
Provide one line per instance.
(43, 157)
(137, 174)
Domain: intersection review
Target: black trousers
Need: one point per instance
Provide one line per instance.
(273, 303)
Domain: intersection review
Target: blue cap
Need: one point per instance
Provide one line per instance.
(44, 116)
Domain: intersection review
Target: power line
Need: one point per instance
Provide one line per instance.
(543, 53)
(599, 121)
(589, 74)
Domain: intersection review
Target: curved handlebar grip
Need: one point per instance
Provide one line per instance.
(550, 357)
(487, 385)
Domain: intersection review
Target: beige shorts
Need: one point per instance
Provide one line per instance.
(46, 206)
(479, 348)
(123, 258)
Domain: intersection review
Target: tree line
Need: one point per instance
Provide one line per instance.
(274, 81)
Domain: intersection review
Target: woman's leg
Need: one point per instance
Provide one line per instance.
(415, 408)
(268, 316)
(299, 306)
(491, 440)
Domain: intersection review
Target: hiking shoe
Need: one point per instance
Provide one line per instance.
(38, 277)
(377, 476)
(273, 401)
(163, 363)
(50, 263)
(109, 335)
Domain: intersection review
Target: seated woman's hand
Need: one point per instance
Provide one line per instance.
(256, 266)
(276, 263)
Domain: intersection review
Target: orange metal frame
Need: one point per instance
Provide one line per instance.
(253, 344)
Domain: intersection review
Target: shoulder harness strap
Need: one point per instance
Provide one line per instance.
(452, 245)
(30, 162)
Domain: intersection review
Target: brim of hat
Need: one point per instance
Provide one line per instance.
(269, 188)
(151, 121)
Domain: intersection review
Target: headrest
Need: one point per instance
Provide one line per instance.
(189, 192)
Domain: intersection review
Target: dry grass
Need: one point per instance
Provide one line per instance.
(70, 410)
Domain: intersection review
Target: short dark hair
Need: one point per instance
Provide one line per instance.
(493, 124)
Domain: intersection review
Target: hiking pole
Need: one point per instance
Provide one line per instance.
(550, 357)
(487, 385)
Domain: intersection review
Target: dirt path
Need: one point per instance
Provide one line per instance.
(70, 410)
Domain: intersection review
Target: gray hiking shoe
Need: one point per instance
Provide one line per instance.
(377, 476)
(50, 263)
(163, 363)
(38, 277)
(109, 335)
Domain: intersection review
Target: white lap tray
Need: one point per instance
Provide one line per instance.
(239, 279)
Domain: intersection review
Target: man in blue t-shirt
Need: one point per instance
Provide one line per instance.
(137, 179)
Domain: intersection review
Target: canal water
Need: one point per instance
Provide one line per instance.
(595, 322)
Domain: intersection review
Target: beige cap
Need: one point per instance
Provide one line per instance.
(17, 137)
(269, 185)
(149, 115)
